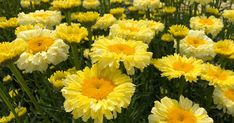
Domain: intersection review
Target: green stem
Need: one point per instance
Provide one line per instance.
(75, 54)
(181, 86)
(68, 17)
(23, 85)
(195, 8)
(148, 14)
(6, 100)
(177, 46)
(90, 36)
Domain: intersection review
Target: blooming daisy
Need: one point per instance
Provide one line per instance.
(198, 45)
(4, 23)
(71, 33)
(91, 4)
(211, 25)
(202, 2)
(46, 18)
(183, 111)
(225, 47)
(22, 28)
(178, 31)
(176, 66)
(229, 14)
(136, 30)
(42, 49)
(10, 50)
(85, 17)
(110, 52)
(65, 4)
(224, 99)
(167, 37)
(217, 76)
(105, 21)
(97, 93)
(146, 4)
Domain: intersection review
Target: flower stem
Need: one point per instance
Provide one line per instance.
(181, 86)
(148, 14)
(6, 100)
(68, 17)
(75, 54)
(23, 85)
(177, 46)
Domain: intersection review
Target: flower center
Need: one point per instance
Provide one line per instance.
(229, 94)
(178, 115)
(182, 66)
(38, 44)
(122, 48)
(206, 21)
(216, 74)
(195, 42)
(97, 88)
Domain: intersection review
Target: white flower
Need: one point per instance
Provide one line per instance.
(197, 44)
(146, 4)
(47, 18)
(43, 49)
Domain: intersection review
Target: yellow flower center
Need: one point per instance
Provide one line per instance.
(38, 44)
(122, 48)
(97, 88)
(206, 21)
(217, 74)
(195, 42)
(229, 94)
(178, 115)
(182, 66)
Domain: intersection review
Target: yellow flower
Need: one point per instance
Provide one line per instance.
(12, 22)
(217, 76)
(91, 4)
(167, 37)
(178, 31)
(183, 111)
(229, 14)
(224, 99)
(132, 9)
(46, 18)
(169, 9)
(13, 93)
(22, 28)
(136, 30)
(109, 52)
(9, 51)
(43, 49)
(197, 44)
(7, 79)
(97, 93)
(65, 4)
(202, 2)
(176, 66)
(212, 10)
(146, 4)
(210, 25)
(117, 11)
(116, 1)
(105, 22)
(71, 33)
(85, 17)
(57, 79)
(225, 47)
(5, 119)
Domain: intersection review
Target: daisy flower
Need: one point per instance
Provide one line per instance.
(110, 52)
(197, 44)
(42, 49)
(97, 93)
(224, 99)
(91, 4)
(176, 66)
(217, 76)
(211, 25)
(146, 4)
(183, 111)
